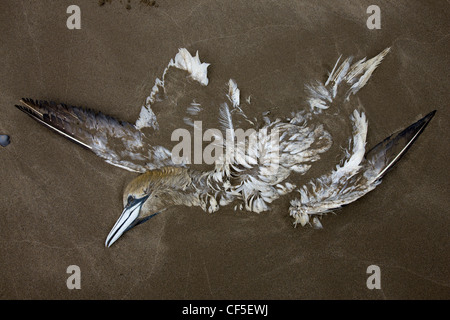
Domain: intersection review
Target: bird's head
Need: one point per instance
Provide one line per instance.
(146, 196)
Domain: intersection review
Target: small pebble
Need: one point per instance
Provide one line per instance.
(4, 140)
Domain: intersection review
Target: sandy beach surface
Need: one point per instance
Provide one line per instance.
(59, 201)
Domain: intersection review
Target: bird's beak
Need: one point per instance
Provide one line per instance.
(127, 220)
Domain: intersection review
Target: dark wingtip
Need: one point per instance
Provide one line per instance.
(21, 107)
(26, 102)
(391, 149)
(422, 123)
(430, 115)
(28, 106)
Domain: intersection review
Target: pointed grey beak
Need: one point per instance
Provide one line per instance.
(127, 220)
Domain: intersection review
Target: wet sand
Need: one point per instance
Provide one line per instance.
(59, 201)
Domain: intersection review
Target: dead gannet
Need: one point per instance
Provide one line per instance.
(255, 172)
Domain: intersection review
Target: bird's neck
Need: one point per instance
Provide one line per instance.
(183, 186)
(190, 187)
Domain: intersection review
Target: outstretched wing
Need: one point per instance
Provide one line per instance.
(358, 175)
(118, 143)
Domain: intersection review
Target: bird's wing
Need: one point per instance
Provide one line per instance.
(118, 143)
(358, 175)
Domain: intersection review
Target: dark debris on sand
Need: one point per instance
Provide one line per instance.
(4, 140)
(148, 3)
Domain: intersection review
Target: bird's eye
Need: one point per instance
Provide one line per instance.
(130, 199)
